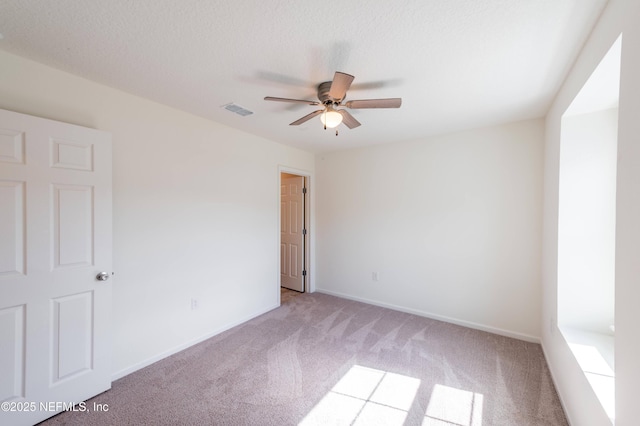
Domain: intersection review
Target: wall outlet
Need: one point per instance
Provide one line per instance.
(194, 304)
(375, 276)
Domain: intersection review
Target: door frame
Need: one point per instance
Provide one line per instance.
(309, 219)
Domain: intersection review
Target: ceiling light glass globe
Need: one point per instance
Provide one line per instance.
(331, 118)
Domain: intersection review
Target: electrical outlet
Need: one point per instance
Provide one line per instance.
(375, 276)
(194, 304)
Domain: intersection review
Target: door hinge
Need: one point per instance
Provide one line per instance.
(304, 273)
(304, 190)
(304, 232)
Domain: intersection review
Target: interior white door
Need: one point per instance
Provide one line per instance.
(55, 223)
(292, 274)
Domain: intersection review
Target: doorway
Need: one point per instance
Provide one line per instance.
(294, 232)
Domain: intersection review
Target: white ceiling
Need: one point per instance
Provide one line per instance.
(457, 64)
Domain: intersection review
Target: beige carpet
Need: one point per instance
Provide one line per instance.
(286, 295)
(323, 360)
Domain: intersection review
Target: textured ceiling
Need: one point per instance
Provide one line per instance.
(456, 64)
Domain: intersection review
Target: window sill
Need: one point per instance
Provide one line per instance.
(594, 353)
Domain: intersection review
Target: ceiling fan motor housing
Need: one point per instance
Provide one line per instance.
(323, 94)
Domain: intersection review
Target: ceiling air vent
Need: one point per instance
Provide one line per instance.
(237, 109)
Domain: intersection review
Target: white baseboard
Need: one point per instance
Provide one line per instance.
(469, 324)
(520, 336)
(554, 375)
(126, 371)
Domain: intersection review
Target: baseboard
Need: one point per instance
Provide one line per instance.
(469, 324)
(126, 371)
(553, 374)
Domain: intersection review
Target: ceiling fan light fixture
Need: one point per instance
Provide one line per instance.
(331, 118)
(331, 94)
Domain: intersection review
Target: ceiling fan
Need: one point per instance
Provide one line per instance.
(331, 95)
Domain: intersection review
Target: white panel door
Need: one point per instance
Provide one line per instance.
(55, 224)
(291, 232)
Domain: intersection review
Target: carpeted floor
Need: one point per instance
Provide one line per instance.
(286, 295)
(323, 360)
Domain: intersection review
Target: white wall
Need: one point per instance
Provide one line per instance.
(195, 210)
(620, 16)
(587, 221)
(452, 225)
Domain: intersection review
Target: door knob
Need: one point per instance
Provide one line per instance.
(102, 276)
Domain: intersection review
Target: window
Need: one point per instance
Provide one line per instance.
(586, 226)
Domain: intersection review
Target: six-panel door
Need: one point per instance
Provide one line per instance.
(55, 237)
(291, 232)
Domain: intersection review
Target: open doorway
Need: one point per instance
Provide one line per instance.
(294, 232)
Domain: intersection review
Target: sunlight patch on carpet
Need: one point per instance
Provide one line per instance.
(366, 396)
(451, 406)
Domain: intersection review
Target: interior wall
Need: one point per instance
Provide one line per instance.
(580, 403)
(587, 221)
(451, 225)
(195, 210)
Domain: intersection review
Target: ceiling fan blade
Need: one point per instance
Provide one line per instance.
(299, 101)
(340, 84)
(375, 103)
(306, 117)
(348, 120)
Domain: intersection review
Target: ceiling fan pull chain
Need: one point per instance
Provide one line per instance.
(336, 132)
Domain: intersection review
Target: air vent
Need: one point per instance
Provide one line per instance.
(237, 109)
